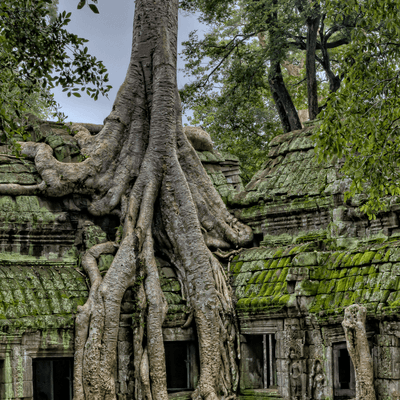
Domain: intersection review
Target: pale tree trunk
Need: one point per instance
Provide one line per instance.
(357, 345)
(312, 83)
(142, 168)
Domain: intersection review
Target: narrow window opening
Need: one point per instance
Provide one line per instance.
(257, 239)
(2, 380)
(181, 366)
(344, 369)
(343, 373)
(52, 378)
(259, 362)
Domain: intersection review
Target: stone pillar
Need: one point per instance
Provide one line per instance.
(294, 346)
(387, 361)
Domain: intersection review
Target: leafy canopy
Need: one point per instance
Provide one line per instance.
(37, 53)
(230, 94)
(361, 121)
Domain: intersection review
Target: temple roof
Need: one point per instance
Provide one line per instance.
(303, 279)
(37, 293)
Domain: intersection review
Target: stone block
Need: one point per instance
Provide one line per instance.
(388, 362)
(28, 373)
(306, 288)
(387, 389)
(305, 259)
(27, 389)
(387, 341)
(396, 269)
(386, 267)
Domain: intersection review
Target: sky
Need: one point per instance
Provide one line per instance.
(110, 36)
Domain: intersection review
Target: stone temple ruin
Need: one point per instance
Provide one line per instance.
(314, 255)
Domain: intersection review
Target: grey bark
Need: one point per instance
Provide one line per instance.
(357, 345)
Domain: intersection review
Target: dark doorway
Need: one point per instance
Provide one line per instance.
(181, 365)
(52, 378)
(258, 362)
(343, 373)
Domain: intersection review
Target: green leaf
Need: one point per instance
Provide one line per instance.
(94, 8)
(81, 4)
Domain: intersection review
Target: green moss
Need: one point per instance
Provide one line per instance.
(343, 273)
(261, 277)
(305, 259)
(283, 274)
(356, 258)
(346, 260)
(275, 276)
(346, 299)
(284, 299)
(283, 262)
(359, 282)
(254, 277)
(264, 289)
(335, 274)
(366, 258)
(350, 283)
(356, 296)
(307, 288)
(274, 264)
(364, 270)
(278, 253)
(366, 294)
(270, 290)
(338, 260)
(269, 276)
(277, 288)
(341, 285)
(295, 250)
(354, 271)
(372, 269)
(244, 304)
(317, 273)
(237, 267)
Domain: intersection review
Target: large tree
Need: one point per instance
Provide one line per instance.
(142, 167)
(361, 120)
(276, 36)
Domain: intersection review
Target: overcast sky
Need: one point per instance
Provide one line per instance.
(110, 36)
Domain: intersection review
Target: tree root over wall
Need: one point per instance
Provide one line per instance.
(141, 167)
(357, 345)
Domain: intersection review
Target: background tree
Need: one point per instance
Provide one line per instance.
(360, 122)
(36, 54)
(250, 54)
(142, 168)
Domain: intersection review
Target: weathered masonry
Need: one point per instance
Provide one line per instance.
(313, 256)
(42, 284)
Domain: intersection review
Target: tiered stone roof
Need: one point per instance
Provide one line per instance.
(293, 195)
(270, 281)
(39, 294)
